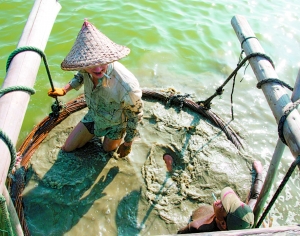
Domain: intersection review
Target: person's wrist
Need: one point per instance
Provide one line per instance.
(127, 144)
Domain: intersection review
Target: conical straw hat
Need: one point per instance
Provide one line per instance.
(92, 48)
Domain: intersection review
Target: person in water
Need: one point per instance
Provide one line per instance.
(112, 92)
(228, 213)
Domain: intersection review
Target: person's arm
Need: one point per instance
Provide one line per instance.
(67, 87)
(134, 114)
(257, 185)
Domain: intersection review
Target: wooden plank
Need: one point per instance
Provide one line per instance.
(278, 230)
(23, 71)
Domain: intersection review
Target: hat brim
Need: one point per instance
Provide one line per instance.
(92, 48)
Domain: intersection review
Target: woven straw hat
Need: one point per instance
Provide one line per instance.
(92, 48)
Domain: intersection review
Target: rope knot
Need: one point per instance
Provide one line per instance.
(220, 91)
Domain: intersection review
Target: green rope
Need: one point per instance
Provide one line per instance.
(4, 210)
(11, 148)
(34, 49)
(3, 136)
(17, 88)
(23, 49)
(57, 106)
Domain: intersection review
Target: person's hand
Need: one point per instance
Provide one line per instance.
(169, 161)
(124, 150)
(257, 167)
(56, 92)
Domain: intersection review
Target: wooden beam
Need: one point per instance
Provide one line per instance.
(23, 71)
(277, 230)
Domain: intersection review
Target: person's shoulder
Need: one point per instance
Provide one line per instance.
(124, 76)
(117, 64)
(120, 68)
(203, 220)
(202, 211)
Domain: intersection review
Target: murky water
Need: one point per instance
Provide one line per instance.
(106, 195)
(188, 45)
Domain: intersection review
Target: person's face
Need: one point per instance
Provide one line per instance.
(97, 72)
(220, 214)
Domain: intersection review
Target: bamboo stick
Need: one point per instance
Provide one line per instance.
(273, 168)
(23, 71)
(278, 99)
(275, 94)
(17, 228)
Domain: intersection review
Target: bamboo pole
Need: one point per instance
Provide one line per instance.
(275, 94)
(277, 100)
(17, 228)
(273, 168)
(22, 72)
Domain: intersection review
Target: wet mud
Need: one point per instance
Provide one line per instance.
(90, 192)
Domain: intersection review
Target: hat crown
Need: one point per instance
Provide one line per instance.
(92, 48)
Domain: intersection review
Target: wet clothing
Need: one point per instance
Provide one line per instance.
(115, 104)
(204, 219)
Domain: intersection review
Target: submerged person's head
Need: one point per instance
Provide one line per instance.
(92, 49)
(231, 213)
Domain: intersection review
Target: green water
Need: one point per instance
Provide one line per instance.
(189, 45)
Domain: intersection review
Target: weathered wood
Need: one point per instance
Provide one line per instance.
(23, 71)
(279, 230)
